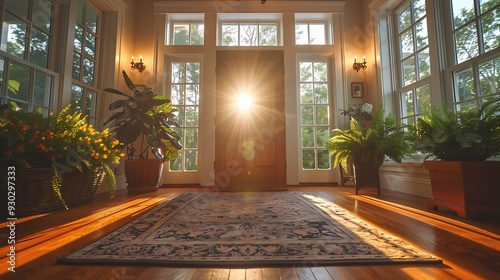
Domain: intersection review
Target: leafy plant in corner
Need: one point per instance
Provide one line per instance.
(148, 116)
(468, 135)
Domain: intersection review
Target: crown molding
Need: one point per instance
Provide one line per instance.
(247, 6)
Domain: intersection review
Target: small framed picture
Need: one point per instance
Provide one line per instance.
(357, 90)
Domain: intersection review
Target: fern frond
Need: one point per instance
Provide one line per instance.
(110, 179)
(56, 187)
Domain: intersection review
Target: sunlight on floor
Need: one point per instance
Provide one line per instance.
(481, 236)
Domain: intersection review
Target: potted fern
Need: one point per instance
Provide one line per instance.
(144, 123)
(367, 142)
(463, 176)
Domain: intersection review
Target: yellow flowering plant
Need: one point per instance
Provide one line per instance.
(63, 142)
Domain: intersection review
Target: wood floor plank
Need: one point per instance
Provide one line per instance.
(185, 274)
(237, 274)
(201, 273)
(270, 273)
(288, 273)
(304, 273)
(220, 274)
(254, 273)
(469, 249)
(321, 273)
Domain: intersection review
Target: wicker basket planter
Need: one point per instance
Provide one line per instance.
(34, 193)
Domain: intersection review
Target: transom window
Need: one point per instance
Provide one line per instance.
(185, 96)
(249, 30)
(314, 114)
(313, 29)
(250, 34)
(186, 29)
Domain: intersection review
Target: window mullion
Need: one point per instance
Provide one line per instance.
(479, 30)
(309, 33)
(190, 33)
(477, 85)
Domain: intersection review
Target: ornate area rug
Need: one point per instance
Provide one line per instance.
(266, 229)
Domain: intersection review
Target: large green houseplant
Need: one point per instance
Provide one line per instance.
(460, 143)
(144, 123)
(367, 142)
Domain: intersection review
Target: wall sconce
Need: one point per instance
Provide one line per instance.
(359, 65)
(137, 65)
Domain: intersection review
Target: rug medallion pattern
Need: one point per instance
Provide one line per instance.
(247, 229)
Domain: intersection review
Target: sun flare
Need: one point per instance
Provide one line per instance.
(244, 101)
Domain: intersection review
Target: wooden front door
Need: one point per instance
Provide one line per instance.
(250, 125)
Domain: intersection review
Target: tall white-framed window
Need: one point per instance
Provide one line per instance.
(461, 47)
(474, 60)
(249, 30)
(313, 29)
(85, 67)
(185, 29)
(314, 110)
(413, 60)
(26, 48)
(185, 82)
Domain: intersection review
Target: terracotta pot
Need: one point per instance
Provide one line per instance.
(469, 188)
(143, 175)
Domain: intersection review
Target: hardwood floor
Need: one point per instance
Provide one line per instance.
(469, 249)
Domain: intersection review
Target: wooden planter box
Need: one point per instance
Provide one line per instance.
(469, 188)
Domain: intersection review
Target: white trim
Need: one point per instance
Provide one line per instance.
(110, 5)
(435, 23)
(227, 6)
(377, 5)
(291, 104)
